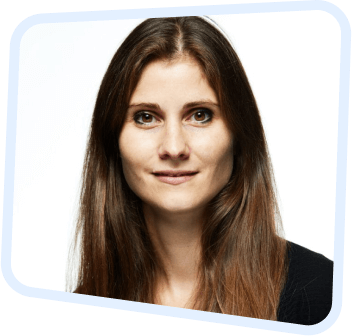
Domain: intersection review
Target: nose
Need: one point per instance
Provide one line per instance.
(174, 144)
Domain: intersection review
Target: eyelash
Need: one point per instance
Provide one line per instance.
(140, 114)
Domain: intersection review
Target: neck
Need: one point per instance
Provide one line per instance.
(176, 238)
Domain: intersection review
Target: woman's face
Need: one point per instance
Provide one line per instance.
(176, 149)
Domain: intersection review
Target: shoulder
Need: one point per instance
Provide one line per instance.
(306, 264)
(307, 295)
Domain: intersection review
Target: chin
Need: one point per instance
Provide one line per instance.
(177, 205)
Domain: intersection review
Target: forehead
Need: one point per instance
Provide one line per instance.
(180, 79)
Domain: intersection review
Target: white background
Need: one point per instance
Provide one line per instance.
(294, 72)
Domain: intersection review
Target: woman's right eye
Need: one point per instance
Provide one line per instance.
(144, 118)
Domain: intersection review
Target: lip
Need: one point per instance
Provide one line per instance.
(175, 176)
(175, 173)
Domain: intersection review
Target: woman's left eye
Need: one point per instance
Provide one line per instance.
(202, 116)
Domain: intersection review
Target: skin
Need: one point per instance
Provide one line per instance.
(162, 131)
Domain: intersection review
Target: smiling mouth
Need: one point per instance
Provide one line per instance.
(175, 173)
(174, 177)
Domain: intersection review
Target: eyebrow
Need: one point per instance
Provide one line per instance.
(185, 106)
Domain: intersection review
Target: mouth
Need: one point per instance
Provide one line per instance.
(175, 176)
(175, 173)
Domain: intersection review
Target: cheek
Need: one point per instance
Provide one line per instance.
(216, 151)
(136, 153)
(130, 151)
(130, 145)
(221, 164)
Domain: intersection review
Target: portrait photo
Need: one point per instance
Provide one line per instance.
(186, 162)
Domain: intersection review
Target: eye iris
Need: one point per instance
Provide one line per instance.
(199, 116)
(146, 118)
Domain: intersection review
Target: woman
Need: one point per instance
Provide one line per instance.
(178, 203)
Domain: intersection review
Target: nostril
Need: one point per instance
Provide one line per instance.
(179, 156)
(184, 156)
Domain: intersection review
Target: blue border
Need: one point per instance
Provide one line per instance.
(168, 12)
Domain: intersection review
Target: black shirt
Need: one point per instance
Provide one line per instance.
(307, 296)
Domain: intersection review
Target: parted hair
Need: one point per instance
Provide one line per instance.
(243, 264)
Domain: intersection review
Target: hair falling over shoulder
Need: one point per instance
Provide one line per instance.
(243, 267)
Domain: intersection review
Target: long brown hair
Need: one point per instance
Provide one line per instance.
(243, 266)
